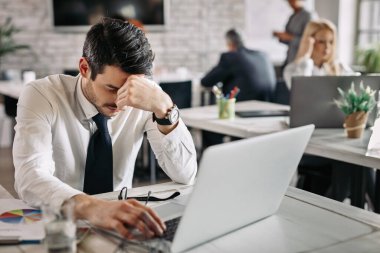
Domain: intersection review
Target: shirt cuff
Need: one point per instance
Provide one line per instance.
(62, 195)
(171, 140)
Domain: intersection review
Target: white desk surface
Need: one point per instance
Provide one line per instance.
(329, 143)
(304, 223)
(206, 118)
(11, 89)
(333, 143)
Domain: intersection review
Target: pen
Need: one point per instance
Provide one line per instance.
(12, 240)
(237, 92)
(234, 92)
(147, 198)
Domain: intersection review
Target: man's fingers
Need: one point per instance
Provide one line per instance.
(120, 228)
(152, 215)
(131, 220)
(138, 212)
(157, 218)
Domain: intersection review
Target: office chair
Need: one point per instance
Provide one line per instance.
(180, 92)
(281, 93)
(10, 106)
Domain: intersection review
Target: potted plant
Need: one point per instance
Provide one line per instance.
(369, 58)
(7, 43)
(356, 106)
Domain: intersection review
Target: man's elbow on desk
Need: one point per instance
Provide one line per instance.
(187, 176)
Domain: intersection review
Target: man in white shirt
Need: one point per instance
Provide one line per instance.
(56, 150)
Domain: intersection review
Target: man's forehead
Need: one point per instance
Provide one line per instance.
(112, 75)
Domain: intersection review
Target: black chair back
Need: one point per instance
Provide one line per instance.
(180, 92)
(282, 93)
(10, 106)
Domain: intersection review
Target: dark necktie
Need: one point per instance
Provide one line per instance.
(99, 165)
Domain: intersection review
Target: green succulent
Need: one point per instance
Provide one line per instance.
(370, 58)
(7, 43)
(352, 101)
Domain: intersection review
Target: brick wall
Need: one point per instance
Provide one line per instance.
(193, 37)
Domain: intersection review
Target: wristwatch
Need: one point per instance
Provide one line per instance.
(171, 117)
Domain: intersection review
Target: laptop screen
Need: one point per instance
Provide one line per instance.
(312, 99)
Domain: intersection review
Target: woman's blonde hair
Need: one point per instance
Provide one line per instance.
(318, 25)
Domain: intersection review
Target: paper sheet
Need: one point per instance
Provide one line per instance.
(25, 232)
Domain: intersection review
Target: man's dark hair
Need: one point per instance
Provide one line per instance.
(234, 37)
(117, 43)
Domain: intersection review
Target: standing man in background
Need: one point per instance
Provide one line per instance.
(294, 29)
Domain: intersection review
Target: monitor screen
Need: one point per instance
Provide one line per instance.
(83, 13)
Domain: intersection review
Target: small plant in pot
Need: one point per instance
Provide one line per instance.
(356, 106)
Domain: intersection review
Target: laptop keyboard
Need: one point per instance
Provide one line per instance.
(171, 227)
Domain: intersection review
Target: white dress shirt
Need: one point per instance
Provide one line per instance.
(306, 67)
(54, 125)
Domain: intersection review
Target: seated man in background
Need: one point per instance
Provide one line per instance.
(77, 136)
(250, 70)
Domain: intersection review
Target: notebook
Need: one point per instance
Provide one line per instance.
(312, 99)
(251, 174)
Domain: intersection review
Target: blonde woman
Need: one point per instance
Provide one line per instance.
(316, 55)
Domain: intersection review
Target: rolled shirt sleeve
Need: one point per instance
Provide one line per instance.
(175, 151)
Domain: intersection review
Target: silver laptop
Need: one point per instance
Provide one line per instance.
(312, 99)
(238, 183)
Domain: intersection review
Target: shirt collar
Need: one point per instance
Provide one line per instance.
(88, 108)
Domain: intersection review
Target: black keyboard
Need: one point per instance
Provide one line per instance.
(171, 227)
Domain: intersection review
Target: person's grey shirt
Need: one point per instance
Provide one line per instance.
(296, 25)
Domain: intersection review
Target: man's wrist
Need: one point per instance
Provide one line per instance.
(82, 203)
(165, 104)
(161, 113)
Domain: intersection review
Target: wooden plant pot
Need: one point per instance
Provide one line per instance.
(355, 123)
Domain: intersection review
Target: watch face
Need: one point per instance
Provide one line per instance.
(174, 115)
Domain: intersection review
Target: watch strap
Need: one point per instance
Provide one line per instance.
(165, 121)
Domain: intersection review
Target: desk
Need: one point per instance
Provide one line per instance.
(329, 143)
(304, 223)
(206, 118)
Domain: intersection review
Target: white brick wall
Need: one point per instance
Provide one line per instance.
(193, 38)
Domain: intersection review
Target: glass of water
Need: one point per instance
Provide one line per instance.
(60, 228)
